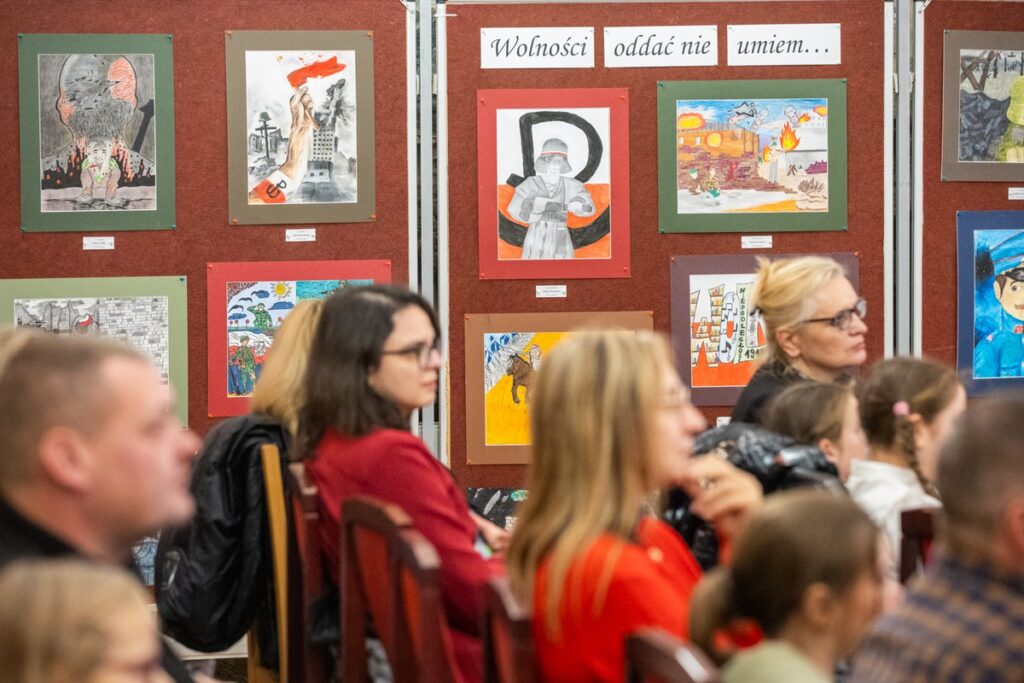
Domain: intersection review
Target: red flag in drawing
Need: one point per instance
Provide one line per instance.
(327, 67)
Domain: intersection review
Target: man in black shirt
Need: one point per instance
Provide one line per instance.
(93, 457)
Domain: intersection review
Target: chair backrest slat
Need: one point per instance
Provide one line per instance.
(918, 532)
(654, 656)
(509, 654)
(391, 575)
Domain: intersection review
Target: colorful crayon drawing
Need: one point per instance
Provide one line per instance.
(255, 310)
(726, 338)
(141, 322)
(999, 303)
(301, 126)
(991, 118)
(510, 359)
(753, 156)
(554, 183)
(97, 132)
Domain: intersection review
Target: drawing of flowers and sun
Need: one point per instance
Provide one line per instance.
(753, 155)
(255, 311)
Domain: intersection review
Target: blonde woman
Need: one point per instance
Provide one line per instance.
(814, 325)
(211, 574)
(69, 621)
(611, 425)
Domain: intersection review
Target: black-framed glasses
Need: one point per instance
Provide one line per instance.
(422, 351)
(841, 320)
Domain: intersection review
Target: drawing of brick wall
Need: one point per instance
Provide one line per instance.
(140, 322)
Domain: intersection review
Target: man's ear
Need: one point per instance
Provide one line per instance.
(788, 341)
(997, 289)
(1013, 528)
(65, 460)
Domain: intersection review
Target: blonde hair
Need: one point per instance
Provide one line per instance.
(56, 616)
(810, 411)
(280, 391)
(785, 292)
(591, 415)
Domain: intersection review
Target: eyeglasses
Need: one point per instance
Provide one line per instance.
(423, 352)
(842, 319)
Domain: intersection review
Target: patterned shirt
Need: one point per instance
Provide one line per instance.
(962, 622)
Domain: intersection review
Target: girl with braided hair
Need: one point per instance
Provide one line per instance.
(907, 408)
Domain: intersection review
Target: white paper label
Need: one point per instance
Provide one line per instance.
(570, 47)
(552, 291)
(1015, 193)
(722, 420)
(97, 243)
(756, 242)
(660, 46)
(783, 44)
(300, 235)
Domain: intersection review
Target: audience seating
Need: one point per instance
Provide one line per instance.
(305, 576)
(509, 655)
(918, 528)
(654, 656)
(390, 576)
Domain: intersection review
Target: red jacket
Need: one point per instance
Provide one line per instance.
(396, 467)
(647, 583)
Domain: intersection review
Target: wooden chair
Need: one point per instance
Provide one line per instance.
(419, 588)
(509, 655)
(653, 656)
(277, 517)
(390, 576)
(918, 528)
(305, 576)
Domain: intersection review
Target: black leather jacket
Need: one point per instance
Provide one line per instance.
(213, 576)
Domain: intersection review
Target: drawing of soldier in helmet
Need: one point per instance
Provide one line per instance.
(1001, 353)
(545, 200)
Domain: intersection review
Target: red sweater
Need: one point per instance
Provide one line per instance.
(647, 583)
(396, 467)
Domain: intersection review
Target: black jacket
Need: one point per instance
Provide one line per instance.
(213, 576)
(21, 539)
(769, 380)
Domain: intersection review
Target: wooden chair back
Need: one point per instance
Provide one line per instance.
(423, 619)
(654, 656)
(277, 518)
(509, 655)
(305, 576)
(369, 586)
(918, 532)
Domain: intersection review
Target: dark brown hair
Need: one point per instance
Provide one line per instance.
(797, 539)
(347, 345)
(809, 411)
(926, 386)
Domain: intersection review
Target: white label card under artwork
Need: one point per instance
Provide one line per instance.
(564, 47)
(783, 44)
(552, 291)
(1015, 193)
(626, 46)
(756, 242)
(300, 235)
(97, 243)
(722, 420)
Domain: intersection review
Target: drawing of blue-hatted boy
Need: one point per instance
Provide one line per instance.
(999, 307)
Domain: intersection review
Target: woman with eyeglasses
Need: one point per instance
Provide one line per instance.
(612, 425)
(814, 328)
(375, 359)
